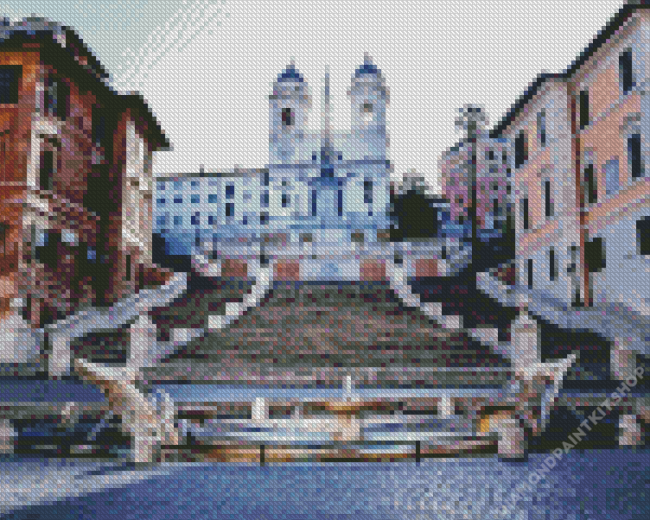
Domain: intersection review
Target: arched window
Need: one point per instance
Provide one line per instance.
(287, 117)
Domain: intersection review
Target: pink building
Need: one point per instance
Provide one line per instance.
(492, 181)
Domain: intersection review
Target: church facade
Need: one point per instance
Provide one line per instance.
(320, 207)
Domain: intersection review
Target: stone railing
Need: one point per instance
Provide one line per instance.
(124, 312)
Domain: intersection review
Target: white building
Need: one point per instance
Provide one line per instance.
(324, 196)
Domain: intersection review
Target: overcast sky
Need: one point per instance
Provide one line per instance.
(206, 66)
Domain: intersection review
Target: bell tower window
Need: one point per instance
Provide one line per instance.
(366, 111)
(287, 117)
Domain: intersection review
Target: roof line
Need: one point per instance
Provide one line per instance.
(602, 37)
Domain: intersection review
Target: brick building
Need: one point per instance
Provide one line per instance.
(75, 176)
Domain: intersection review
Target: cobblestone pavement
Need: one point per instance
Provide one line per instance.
(45, 482)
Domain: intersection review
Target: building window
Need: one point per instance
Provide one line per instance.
(196, 219)
(287, 117)
(245, 220)
(552, 265)
(264, 218)
(591, 188)
(367, 192)
(625, 71)
(161, 186)
(340, 203)
(611, 176)
(9, 78)
(314, 202)
(230, 209)
(160, 201)
(211, 219)
(367, 108)
(495, 207)
(524, 213)
(265, 179)
(643, 235)
(489, 155)
(634, 155)
(4, 228)
(584, 108)
(195, 199)
(541, 128)
(530, 273)
(161, 221)
(230, 191)
(595, 255)
(178, 221)
(264, 199)
(98, 126)
(521, 149)
(194, 184)
(47, 170)
(178, 185)
(548, 203)
(178, 200)
(212, 198)
(285, 200)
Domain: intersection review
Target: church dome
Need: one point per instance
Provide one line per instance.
(290, 82)
(367, 68)
(290, 74)
(369, 76)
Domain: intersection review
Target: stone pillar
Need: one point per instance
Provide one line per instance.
(622, 359)
(629, 431)
(7, 437)
(142, 343)
(348, 386)
(260, 411)
(145, 447)
(524, 348)
(60, 362)
(512, 439)
(445, 407)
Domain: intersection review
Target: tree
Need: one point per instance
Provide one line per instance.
(414, 212)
